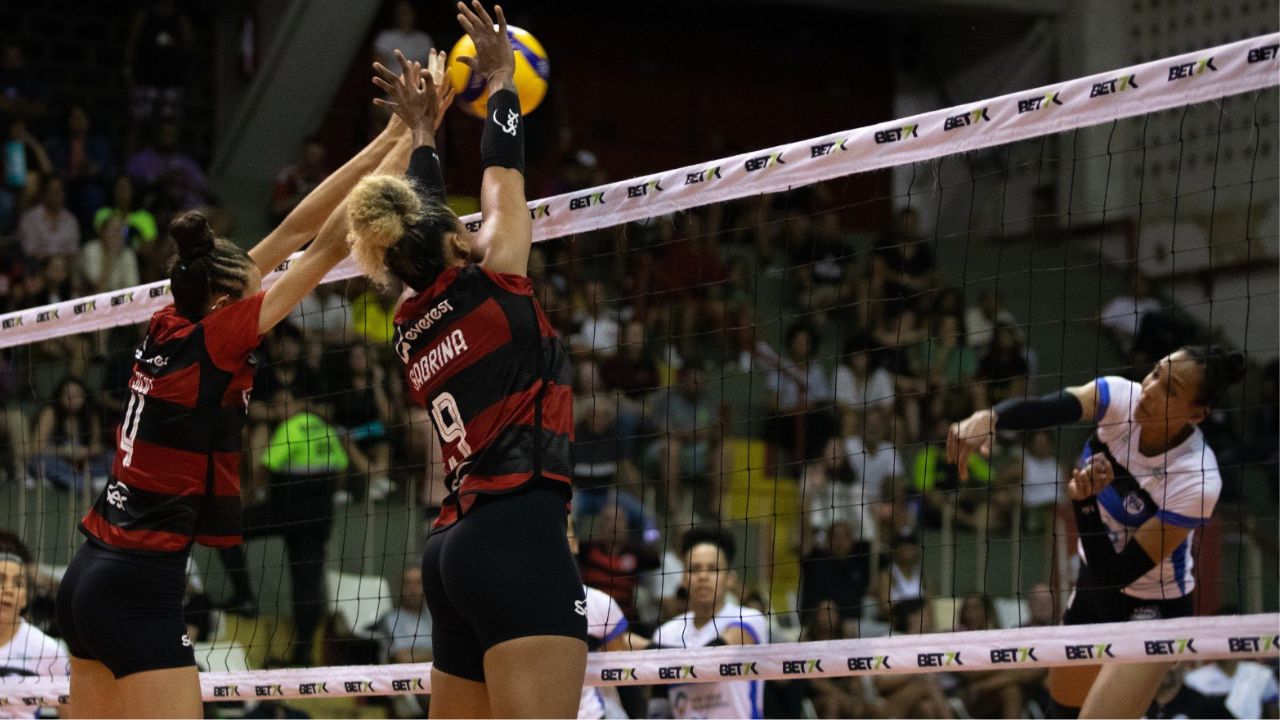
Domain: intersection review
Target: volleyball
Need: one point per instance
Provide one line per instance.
(532, 69)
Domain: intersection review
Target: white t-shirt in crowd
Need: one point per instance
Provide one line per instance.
(1252, 686)
(124, 272)
(605, 622)
(414, 44)
(405, 629)
(598, 335)
(1041, 481)
(327, 313)
(737, 699)
(1124, 314)
(817, 388)
(31, 653)
(980, 330)
(874, 390)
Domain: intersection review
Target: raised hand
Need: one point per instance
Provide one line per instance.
(411, 94)
(435, 71)
(494, 58)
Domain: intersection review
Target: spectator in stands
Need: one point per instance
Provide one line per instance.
(902, 265)
(49, 229)
(632, 370)
(861, 385)
(687, 422)
(325, 313)
(837, 697)
(1246, 688)
(1002, 371)
(25, 651)
(1042, 478)
(68, 435)
(601, 466)
(173, 175)
(991, 693)
(107, 262)
(297, 180)
(912, 696)
(1123, 315)
(1040, 602)
(21, 94)
(47, 282)
(952, 363)
(157, 53)
(406, 630)
(83, 159)
(1175, 699)
(904, 347)
(611, 557)
(837, 571)
(25, 166)
(404, 36)
(902, 578)
(934, 480)
(980, 321)
(597, 323)
(362, 413)
(859, 466)
(801, 393)
(141, 223)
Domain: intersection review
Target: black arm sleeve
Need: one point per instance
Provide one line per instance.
(424, 168)
(502, 144)
(1121, 568)
(1055, 408)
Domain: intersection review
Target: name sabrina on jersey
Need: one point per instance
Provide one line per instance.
(449, 347)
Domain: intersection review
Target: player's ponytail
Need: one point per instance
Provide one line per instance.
(1222, 369)
(204, 266)
(398, 231)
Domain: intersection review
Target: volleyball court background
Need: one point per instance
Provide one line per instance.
(956, 280)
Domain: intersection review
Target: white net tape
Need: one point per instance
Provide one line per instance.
(1176, 81)
(1202, 638)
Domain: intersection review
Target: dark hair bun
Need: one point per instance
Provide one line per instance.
(192, 233)
(1222, 369)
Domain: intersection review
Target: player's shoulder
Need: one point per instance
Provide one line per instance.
(1116, 397)
(673, 630)
(737, 614)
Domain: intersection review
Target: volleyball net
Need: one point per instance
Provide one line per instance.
(772, 345)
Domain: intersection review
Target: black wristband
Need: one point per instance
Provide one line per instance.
(503, 142)
(1055, 408)
(425, 170)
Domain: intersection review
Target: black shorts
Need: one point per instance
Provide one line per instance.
(504, 571)
(1095, 602)
(125, 610)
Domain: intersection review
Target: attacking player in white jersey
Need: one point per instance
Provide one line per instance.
(1145, 481)
(713, 620)
(607, 630)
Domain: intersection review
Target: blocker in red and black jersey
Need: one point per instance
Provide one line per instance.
(480, 354)
(176, 477)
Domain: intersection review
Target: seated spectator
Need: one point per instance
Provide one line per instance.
(801, 394)
(362, 413)
(1175, 699)
(980, 320)
(860, 384)
(633, 370)
(107, 262)
(902, 265)
(83, 159)
(952, 363)
(141, 223)
(912, 696)
(296, 181)
(858, 469)
(49, 229)
(403, 36)
(838, 572)
(21, 94)
(934, 480)
(611, 558)
(176, 178)
(156, 56)
(687, 422)
(992, 693)
(1002, 371)
(406, 630)
(601, 470)
(48, 282)
(25, 166)
(25, 651)
(597, 324)
(837, 697)
(1247, 688)
(1042, 479)
(901, 580)
(1040, 606)
(68, 434)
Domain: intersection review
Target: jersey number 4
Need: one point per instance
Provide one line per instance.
(450, 429)
(129, 430)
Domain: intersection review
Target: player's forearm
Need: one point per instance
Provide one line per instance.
(306, 218)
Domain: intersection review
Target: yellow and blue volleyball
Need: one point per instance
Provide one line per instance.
(532, 70)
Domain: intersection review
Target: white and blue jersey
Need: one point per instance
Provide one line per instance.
(605, 623)
(1179, 487)
(736, 699)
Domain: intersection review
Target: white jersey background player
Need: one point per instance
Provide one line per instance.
(713, 620)
(1145, 482)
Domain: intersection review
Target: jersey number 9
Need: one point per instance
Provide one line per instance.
(451, 429)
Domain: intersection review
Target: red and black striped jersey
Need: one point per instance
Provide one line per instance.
(176, 476)
(480, 354)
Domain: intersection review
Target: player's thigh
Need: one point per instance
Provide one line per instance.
(1069, 685)
(168, 693)
(455, 697)
(537, 676)
(94, 692)
(1124, 691)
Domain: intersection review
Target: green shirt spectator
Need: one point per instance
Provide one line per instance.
(140, 222)
(930, 471)
(305, 445)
